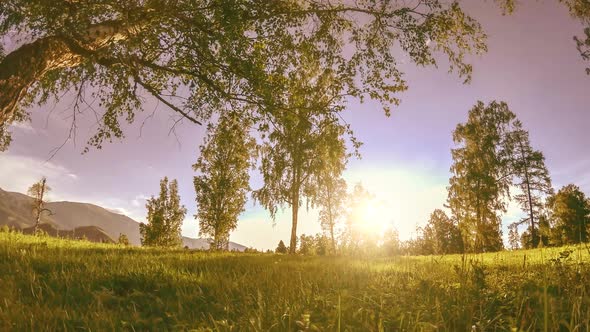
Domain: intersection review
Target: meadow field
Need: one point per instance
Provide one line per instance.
(49, 284)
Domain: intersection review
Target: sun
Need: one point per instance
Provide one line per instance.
(374, 217)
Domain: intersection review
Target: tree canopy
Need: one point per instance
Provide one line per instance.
(164, 219)
(222, 184)
(481, 175)
(570, 215)
(195, 56)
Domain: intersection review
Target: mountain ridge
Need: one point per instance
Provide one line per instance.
(15, 211)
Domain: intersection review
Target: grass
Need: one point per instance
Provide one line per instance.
(52, 284)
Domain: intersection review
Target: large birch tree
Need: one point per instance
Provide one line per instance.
(194, 56)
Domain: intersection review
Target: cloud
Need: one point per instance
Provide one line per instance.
(23, 126)
(139, 200)
(18, 173)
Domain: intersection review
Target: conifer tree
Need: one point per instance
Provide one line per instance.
(532, 178)
(281, 248)
(441, 235)
(164, 219)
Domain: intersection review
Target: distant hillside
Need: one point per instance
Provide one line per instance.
(90, 233)
(15, 211)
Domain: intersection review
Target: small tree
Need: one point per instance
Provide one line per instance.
(321, 245)
(165, 215)
(307, 245)
(123, 239)
(569, 213)
(441, 235)
(281, 248)
(332, 197)
(38, 191)
(223, 182)
(514, 239)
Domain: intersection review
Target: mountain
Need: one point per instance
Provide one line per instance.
(92, 220)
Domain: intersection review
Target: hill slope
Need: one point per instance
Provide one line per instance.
(15, 211)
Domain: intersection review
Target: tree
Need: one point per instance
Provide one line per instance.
(357, 237)
(441, 235)
(123, 239)
(322, 244)
(121, 51)
(304, 144)
(532, 178)
(569, 214)
(543, 235)
(481, 175)
(165, 216)
(307, 245)
(223, 181)
(281, 248)
(514, 239)
(39, 191)
(391, 242)
(332, 196)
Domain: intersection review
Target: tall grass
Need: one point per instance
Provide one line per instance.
(48, 284)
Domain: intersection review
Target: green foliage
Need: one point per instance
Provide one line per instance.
(165, 216)
(305, 142)
(73, 285)
(209, 53)
(481, 175)
(580, 9)
(123, 240)
(332, 197)
(38, 191)
(281, 248)
(570, 215)
(223, 180)
(307, 245)
(531, 177)
(441, 235)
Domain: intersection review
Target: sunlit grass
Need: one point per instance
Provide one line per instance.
(51, 284)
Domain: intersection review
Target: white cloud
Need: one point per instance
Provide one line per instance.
(23, 126)
(139, 200)
(18, 173)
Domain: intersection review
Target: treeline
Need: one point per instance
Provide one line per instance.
(302, 160)
(494, 162)
(492, 158)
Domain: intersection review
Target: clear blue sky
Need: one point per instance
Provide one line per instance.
(532, 64)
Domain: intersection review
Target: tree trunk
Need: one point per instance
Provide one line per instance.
(23, 67)
(294, 212)
(534, 241)
(331, 220)
(332, 236)
(40, 206)
(26, 65)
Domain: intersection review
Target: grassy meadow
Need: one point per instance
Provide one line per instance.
(49, 284)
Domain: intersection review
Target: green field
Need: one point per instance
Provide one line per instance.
(50, 284)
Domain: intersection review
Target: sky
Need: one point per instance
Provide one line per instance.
(532, 64)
